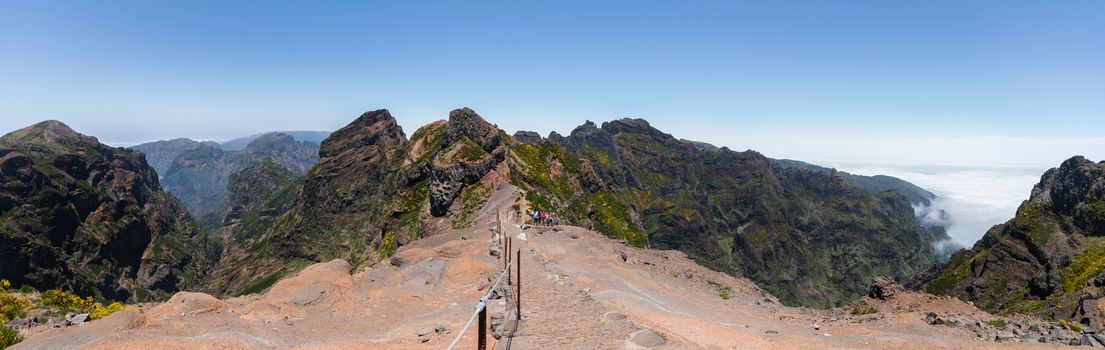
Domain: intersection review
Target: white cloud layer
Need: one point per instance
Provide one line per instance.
(975, 198)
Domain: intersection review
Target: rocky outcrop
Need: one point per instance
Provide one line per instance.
(883, 287)
(82, 216)
(1017, 330)
(472, 148)
(1049, 260)
(528, 137)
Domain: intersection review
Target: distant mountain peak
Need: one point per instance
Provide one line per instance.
(268, 139)
(49, 132)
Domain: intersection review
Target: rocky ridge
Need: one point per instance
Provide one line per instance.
(374, 190)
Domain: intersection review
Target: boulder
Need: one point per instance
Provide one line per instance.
(883, 287)
(22, 323)
(75, 319)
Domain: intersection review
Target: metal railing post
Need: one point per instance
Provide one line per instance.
(518, 296)
(481, 338)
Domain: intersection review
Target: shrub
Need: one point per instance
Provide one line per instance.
(99, 311)
(1071, 325)
(865, 310)
(8, 337)
(723, 291)
(11, 306)
(4, 285)
(67, 302)
(998, 323)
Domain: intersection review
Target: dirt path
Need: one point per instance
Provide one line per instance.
(558, 315)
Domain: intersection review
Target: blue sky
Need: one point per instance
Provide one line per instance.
(880, 81)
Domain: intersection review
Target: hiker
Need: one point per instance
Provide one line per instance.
(536, 216)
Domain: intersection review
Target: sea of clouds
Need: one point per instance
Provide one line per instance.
(974, 198)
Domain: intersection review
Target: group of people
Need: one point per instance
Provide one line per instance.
(541, 218)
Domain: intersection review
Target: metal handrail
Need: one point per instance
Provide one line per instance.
(480, 305)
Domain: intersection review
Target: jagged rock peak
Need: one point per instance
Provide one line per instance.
(465, 122)
(528, 137)
(635, 126)
(628, 125)
(371, 128)
(1075, 181)
(49, 132)
(587, 128)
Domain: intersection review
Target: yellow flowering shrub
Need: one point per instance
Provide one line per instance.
(12, 306)
(99, 311)
(66, 301)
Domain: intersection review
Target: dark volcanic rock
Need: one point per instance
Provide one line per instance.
(464, 163)
(79, 215)
(1048, 260)
(528, 137)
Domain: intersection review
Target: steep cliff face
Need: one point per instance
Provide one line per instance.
(339, 210)
(1049, 260)
(807, 236)
(79, 215)
(198, 177)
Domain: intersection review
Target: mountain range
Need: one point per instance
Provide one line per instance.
(198, 172)
(737, 212)
(808, 235)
